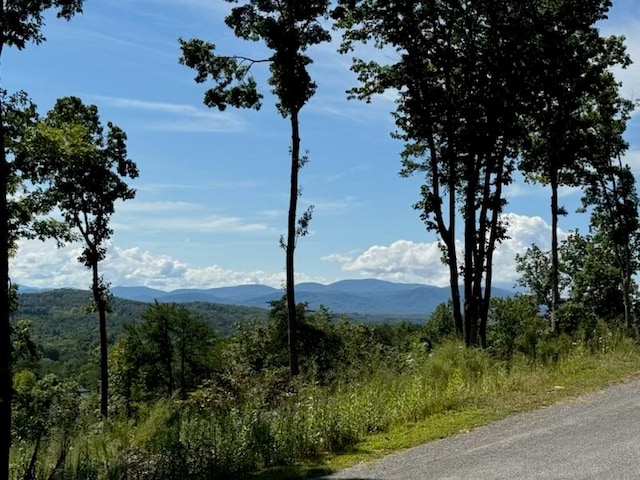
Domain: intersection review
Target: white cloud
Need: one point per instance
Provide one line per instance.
(177, 117)
(41, 264)
(407, 261)
(524, 231)
(632, 158)
(210, 224)
(181, 216)
(515, 190)
(567, 191)
(402, 261)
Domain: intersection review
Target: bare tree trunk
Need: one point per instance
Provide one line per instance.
(491, 248)
(30, 473)
(555, 293)
(455, 293)
(495, 205)
(454, 277)
(625, 260)
(470, 234)
(482, 249)
(99, 299)
(291, 245)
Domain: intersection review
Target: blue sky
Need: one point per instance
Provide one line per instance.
(213, 189)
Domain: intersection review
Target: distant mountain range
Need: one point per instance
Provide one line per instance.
(363, 297)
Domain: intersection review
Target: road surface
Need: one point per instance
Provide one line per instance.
(596, 436)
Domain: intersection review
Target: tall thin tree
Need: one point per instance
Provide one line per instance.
(611, 186)
(287, 28)
(576, 59)
(85, 169)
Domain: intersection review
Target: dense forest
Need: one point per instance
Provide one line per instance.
(484, 90)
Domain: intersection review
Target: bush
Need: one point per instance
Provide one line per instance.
(440, 326)
(515, 326)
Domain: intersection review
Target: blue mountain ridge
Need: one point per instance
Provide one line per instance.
(366, 296)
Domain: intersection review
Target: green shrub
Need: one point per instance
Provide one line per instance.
(515, 326)
(439, 327)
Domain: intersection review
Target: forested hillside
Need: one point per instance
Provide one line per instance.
(67, 332)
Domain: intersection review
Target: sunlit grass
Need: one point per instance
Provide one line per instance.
(425, 406)
(497, 394)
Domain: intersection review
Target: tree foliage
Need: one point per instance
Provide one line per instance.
(482, 88)
(440, 326)
(481, 84)
(22, 21)
(516, 327)
(592, 282)
(46, 412)
(611, 191)
(461, 70)
(169, 352)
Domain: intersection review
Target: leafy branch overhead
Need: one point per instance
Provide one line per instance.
(287, 30)
(23, 20)
(233, 82)
(27, 204)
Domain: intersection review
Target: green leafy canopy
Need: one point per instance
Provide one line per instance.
(23, 19)
(287, 29)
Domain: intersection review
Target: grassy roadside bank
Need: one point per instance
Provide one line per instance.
(311, 429)
(486, 396)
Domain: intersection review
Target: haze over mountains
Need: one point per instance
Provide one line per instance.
(346, 296)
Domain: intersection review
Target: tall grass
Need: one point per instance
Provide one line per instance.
(204, 438)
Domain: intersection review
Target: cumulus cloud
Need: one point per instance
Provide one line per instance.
(407, 261)
(402, 261)
(43, 265)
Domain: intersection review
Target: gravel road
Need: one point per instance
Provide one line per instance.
(595, 436)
